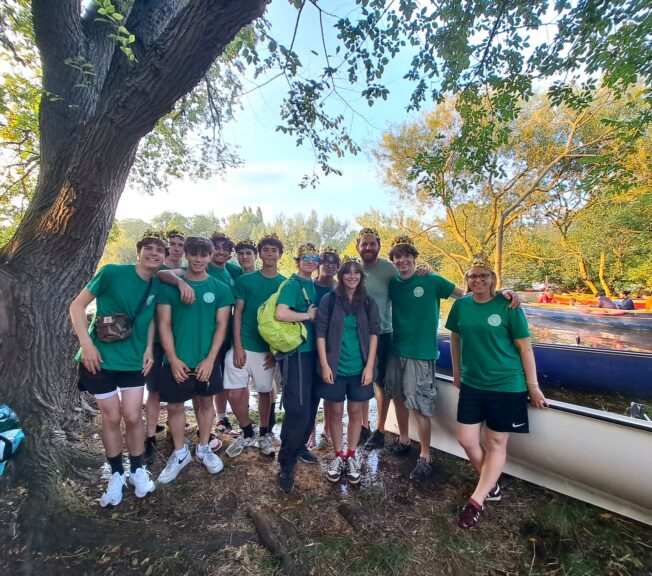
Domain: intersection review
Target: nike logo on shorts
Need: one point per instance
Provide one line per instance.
(518, 425)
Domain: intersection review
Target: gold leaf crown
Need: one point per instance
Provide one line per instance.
(402, 239)
(174, 232)
(155, 235)
(245, 243)
(351, 259)
(305, 248)
(368, 232)
(329, 250)
(480, 262)
(269, 236)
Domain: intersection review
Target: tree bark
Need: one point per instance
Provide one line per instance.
(88, 141)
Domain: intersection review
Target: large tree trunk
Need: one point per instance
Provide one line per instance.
(89, 141)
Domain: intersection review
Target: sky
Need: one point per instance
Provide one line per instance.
(273, 165)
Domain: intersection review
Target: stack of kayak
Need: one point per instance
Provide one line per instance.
(633, 319)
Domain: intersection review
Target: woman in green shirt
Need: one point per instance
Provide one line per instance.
(347, 328)
(493, 366)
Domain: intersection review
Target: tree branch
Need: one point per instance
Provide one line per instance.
(176, 61)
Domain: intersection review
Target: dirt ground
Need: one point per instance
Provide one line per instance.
(204, 525)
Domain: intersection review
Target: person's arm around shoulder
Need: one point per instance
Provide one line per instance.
(173, 277)
(90, 355)
(524, 346)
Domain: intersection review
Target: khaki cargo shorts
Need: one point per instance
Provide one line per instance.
(412, 381)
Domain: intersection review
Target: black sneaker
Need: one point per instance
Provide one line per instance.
(376, 440)
(285, 481)
(422, 471)
(150, 452)
(365, 434)
(495, 495)
(399, 449)
(308, 457)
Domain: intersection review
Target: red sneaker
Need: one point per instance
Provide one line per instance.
(470, 514)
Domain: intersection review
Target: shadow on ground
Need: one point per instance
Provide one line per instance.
(211, 525)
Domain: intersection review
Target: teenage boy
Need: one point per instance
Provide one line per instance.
(105, 367)
(410, 371)
(250, 356)
(246, 252)
(153, 405)
(192, 336)
(225, 271)
(329, 262)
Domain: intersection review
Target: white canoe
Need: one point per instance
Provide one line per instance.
(595, 456)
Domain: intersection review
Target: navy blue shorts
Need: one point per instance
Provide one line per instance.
(502, 411)
(107, 381)
(154, 375)
(346, 387)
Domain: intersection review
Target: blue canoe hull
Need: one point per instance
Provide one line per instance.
(584, 368)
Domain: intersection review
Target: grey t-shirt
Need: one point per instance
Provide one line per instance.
(377, 284)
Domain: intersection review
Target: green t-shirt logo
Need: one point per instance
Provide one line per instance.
(494, 320)
(418, 291)
(209, 297)
(150, 299)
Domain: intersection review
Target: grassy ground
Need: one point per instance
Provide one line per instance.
(199, 525)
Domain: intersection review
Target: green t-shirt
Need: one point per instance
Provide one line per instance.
(415, 314)
(351, 362)
(118, 289)
(253, 289)
(321, 291)
(292, 296)
(221, 274)
(377, 279)
(489, 358)
(193, 325)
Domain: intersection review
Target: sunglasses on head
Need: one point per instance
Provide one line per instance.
(310, 258)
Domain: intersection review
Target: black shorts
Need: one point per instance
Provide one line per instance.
(346, 387)
(107, 381)
(154, 375)
(382, 354)
(502, 411)
(172, 393)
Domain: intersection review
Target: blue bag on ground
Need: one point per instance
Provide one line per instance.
(11, 435)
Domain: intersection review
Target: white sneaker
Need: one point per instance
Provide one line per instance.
(266, 444)
(142, 483)
(353, 470)
(210, 460)
(173, 467)
(239, 445)
(113, 494)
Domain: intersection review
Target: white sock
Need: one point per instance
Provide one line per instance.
(203, 448)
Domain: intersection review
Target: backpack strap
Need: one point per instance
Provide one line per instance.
(141, 304)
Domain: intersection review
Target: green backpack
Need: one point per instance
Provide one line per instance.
(282, 337)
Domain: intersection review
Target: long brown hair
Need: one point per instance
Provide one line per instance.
(360, 292)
